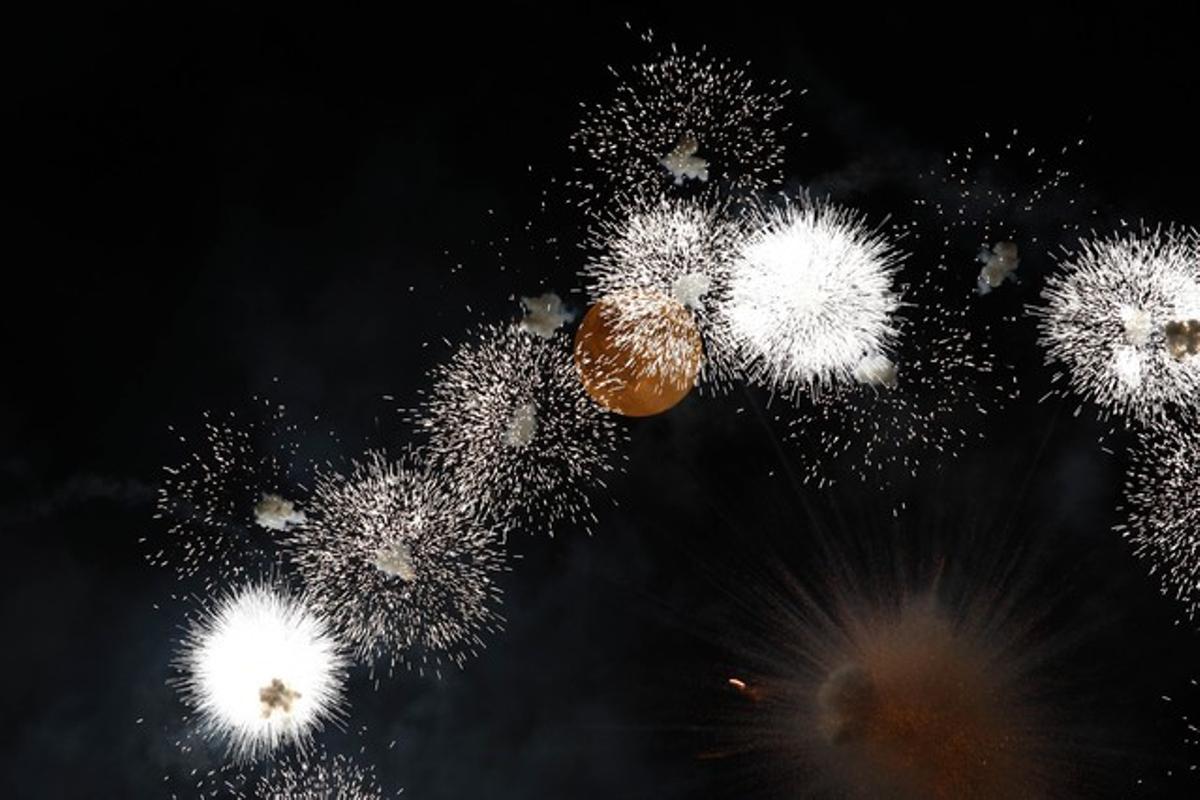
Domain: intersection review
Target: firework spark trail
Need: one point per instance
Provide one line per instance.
(400, 564)
(681, 120)
(328, 778)
(1106, 317)
(234, 492)
(684, 249)
(1162, 504)
(512, 428)
(262, 670)
(942, 370)
(810, 297)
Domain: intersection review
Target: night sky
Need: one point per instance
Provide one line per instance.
(224, 203)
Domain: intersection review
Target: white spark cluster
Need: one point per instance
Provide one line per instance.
(1106, 317)
(237, 483)
(911, 405)
(262, 670)
(684, 249)
(999, 262)
(810, 295)
(512, 428)
(1162, 505)
(682, 120)
(395, 558)
(327, 778)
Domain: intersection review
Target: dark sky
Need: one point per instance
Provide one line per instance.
(210, 200)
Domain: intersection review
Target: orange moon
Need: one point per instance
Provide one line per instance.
(638, 353)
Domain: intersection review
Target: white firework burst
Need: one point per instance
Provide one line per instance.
(262, 670)
(1108, 319)
(681, 248)
(810, 296)
(512, 427)
(327, 778)
(685, 121)
(397, 560)
(234, 493)
(1162, 504)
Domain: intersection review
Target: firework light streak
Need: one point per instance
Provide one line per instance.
(232, 494)
(683, 120)
(1162, 503)
(683, 249)
(262, 670)
(1106, 317)
(328, 778)
(397, 561)
(810, 297)
(515, 433)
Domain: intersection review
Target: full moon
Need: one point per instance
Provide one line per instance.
(638, 353)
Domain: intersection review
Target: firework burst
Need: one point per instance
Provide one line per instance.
(262, 670)
(1162, 502)
(810, 297)
(1109, 317)
(510, 424)
(683, 249)
(234, 493)
(682, 121)
(398, 562)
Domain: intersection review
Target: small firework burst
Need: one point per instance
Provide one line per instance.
(327, 778)
(398, 562)
(810, 297)
(262, 670)
(679, 248)
(683, 121)
(1162, 503)
(234, 493)
(1108, 317)
(510, 424)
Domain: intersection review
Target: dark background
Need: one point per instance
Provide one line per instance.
(212, 199)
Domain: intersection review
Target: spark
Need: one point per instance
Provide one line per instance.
(810, 296)
(680, 118)
(1162, 505)
(512, 427)
(1106, 317)
(262, 670)
(684, 249)
(401, 566)
(239, 481)
(328, 778)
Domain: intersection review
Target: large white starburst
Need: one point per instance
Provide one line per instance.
(262, 670)
(810, 296)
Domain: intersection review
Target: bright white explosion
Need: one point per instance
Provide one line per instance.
(262, 670)
(810, 297)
